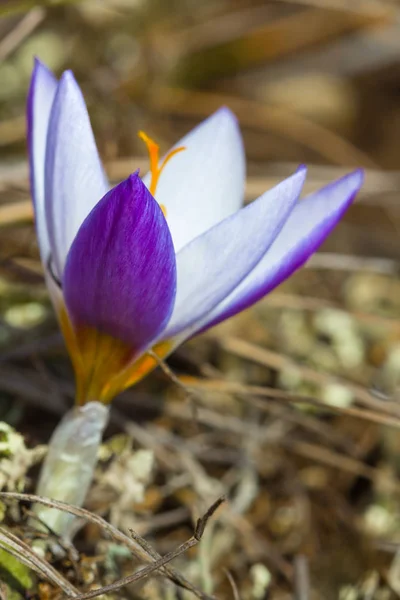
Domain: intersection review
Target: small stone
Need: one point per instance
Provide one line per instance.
(25, 316)
(261, 579)
(338, 395)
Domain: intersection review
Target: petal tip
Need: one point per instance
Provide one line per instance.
(228, 126)
(359, 176)
(69, 93)
(224, 118)
(39, 64)
(67, 77)
(68, 85)
(40, 71)
(133, 177)
(353, 182)
(226, 113)
(300, 174)
(134, 182)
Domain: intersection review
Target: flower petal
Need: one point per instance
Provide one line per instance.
(309, 224)
(74, 176)
(204, 184)
(213, 265)
(120, 274)
(40, 100)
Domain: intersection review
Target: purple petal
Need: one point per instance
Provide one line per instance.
(74, 177)
(309, 224)
(212, 266)
(40, 100)
(120, 273)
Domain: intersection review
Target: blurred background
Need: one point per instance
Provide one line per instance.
(296, 414)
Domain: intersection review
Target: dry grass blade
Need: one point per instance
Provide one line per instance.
(261, 116)
(277, 361)
(16, 212)
(346, 262)
(311, 451)
(310, 303)
(374, 7)
(390, 420)
(141, 574)
(301, 578)
(9, 7)
(21, 31)
(12, 130)
(334, 460)
(138, 549)
(232, 583)
(265, 40)
(22, 552)
(146, 571)
(377, 183)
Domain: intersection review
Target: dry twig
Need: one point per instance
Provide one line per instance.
(132, 543)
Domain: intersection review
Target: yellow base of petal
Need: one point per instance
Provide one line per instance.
(136, 371)
(103, 365)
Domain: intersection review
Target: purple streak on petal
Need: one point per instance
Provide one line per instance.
(41, 94)
(74, 176)
(307, 227)
(120, 273)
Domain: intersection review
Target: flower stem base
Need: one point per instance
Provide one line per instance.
(70, 462)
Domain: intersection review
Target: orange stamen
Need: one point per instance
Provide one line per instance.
(155, 170)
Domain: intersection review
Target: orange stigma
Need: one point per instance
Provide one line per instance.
(155, 170)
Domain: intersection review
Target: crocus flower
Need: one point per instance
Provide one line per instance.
(136, 269)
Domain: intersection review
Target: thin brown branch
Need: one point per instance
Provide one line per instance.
(137, 549)
(22, 552)
(163, 561)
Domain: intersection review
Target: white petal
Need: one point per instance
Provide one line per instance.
(74, 177)
(204, 184)
(310, 222)
(212, 265)
(40, 100)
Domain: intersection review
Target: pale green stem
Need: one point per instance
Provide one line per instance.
(69, 465)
